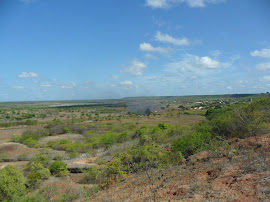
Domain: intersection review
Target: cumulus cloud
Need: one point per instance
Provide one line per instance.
(149, 48)
(126, 83)
(169, 39)
(136, 68)
(207, 62)
(26, 75)
(169, 3)
(192, 63)
(264, 53)
(263, 66)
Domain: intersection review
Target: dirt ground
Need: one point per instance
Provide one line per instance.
(19, 164)
(13, 149)
(7, 133)
(243, 175)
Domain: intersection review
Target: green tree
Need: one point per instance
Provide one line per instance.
(12, 183)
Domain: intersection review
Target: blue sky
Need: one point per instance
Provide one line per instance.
(99, 49)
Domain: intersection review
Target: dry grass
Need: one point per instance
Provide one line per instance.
(7, 133)
(12, 150)
(182, 120)
(73, 137)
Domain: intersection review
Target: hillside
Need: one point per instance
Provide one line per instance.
(242, 175)
(216, 152)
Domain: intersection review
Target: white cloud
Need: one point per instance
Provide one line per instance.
(265, 78)
(136, 68)
(69, 85)
(169, 39)
(126, 83)
(192, 63)
(191, 3)
(149, 48)
(28, 75)
(263, 66)
(158, 3)
(264, 53)
(207, 62)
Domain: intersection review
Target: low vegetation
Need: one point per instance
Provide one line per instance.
(140, 147)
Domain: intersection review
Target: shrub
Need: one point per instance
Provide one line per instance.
(58, 168)
(142, 131)
(108, 139)
(37, 174)
(31, 143)
(122, 137)
(31, 122)
(209, 114)
(143, 157)
(163, 126)
(30, 138)
(66, 130)
(91, 176)
(12, 183)
(242, 120)
(193, 143)
(39, 158)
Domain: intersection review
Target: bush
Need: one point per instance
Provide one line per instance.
(122, 137)
(30, 138)
(91, 176)
(37, 159)
(193, 143)
(163, 126)
(31, 143)
(108, 139)
(12, 183)
(31, 122)
(199, 140)
(66, 130)
(144, 130)
(242, 120)
(58, 168)
(37, 174)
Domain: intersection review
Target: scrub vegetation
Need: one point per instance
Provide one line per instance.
(91, 148)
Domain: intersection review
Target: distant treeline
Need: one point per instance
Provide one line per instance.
(19, 123)
(93, 105)
(195, 97)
